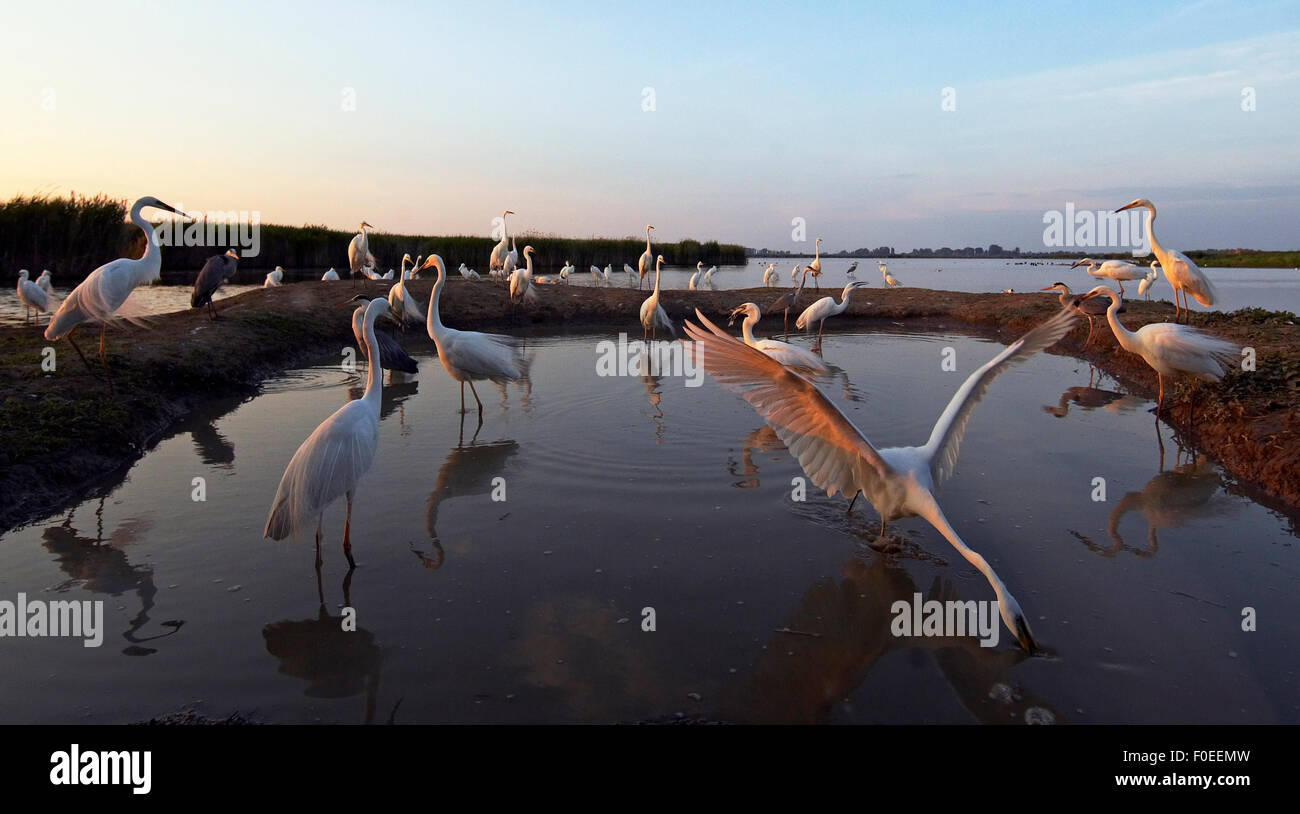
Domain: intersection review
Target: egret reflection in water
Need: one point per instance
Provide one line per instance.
(469, 470)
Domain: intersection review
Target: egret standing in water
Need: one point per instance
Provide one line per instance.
(470, 356)
(815, 267)
(836, 455)
(45, 282)
(645, 261)
(214, 274)
(1170, 349)
(889, 278)
(785, 353)
(853, 267)
(1184, 275)
(1144, 287)
(102, 293)
(825, 308)
(32, 296)
(334, 457)
(1118, 270)
(695, 278)
(770, 277)
(653, 315)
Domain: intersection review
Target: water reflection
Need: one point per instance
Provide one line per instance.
(100, 566)
(469, 470)
(841, 629)
(335, 663)
(763, 441)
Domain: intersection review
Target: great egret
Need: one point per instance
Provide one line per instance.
(32, 296)
(512, 257)
(102, 293)
(213, 275)
(1170, 349)
(46, 282)
(334, 457)
(1120, 271)
(770, 277)
(415, 267)
(653, 315)
(695, 278)
(275, 278)
(783, 352)
(851, 269)
(788, 300)
(708, 275)
(387, 275)
(836, 455)
(521, 285)
(1144, 286)
(402, 305)
(567, 270)
(630, 272)
(470, 356)
(608, 273)
(815, 267)
(645, 261)
(468, 273)
(499, 251)
(825, 308)
(405, 272)
(889, 278)
(359, 256)
(794, 272)
(1184, 275)
(392, 356)
(329, 275)
(597, 275)
(1090, 308)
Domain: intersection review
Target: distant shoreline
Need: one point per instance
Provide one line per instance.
(1235, 258)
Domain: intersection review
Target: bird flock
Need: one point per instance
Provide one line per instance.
(777, 378)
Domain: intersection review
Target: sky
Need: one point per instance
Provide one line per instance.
(710, 120)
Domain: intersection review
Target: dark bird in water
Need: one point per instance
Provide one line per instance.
(213, 275)
(788, 300)
(1090, 308)
(392, 356)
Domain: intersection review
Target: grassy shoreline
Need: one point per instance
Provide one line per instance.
(61, 433)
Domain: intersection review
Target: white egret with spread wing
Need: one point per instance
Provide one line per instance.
(836, 455)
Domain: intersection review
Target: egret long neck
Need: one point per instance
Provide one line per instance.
(1123, 335)
(747, 329)
(149, 266)
(657, 267)
(374, 386)
(647, 240)
(1151, 235)
(929, 509)
(433, 320)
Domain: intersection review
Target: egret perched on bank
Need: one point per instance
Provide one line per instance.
(497, 260)
(215, 272)
(275, 278)
(46, 282)
(645, 261)
(402, 306)
(889, 278)
(836, 455)
(392, 356)
(1144, 287)
(815, 267)
(32, 296)
(329, 275)
(1120, 271)
(359, 256)
(521, 285)
(470, 356)
(102, 293)
(653, 315)
(1184, 275)
(334, 457)
(783, 352)
(826, 307)
(1090, 308)
(1170, 349)
(468, 273)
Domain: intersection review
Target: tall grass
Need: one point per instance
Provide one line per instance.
(72, 236)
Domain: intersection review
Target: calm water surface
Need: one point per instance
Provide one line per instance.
(627, 493)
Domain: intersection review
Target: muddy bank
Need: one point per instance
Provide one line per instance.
(62, 432)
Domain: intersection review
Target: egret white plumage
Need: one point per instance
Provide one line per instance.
(359, 256)
(46, 282)
(1120, 271)
(630, 272)
(334, 457)
(216, 270)
(403, 307)
(653, 315)
(98, 297)
(502, 248)
(329, 275)
(1090, 308)
(468, 273)
(825, 308)
(836, 455)
(597, 275)
(794, 272)
(815, 267)
(1170, 350)
(699, 270)
(783, 352)
(275, 278)
(470, 356)
(889, 278)
(608, 273)
(521, 285)
(646, 260)
(1144, 286)
(32, 296)
(1185, 276)
(708, 275)
(770, 277)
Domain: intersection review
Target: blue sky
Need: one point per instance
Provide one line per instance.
(829, 112)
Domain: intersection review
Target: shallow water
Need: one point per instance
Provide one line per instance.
(624, 493)
(1274, 289)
